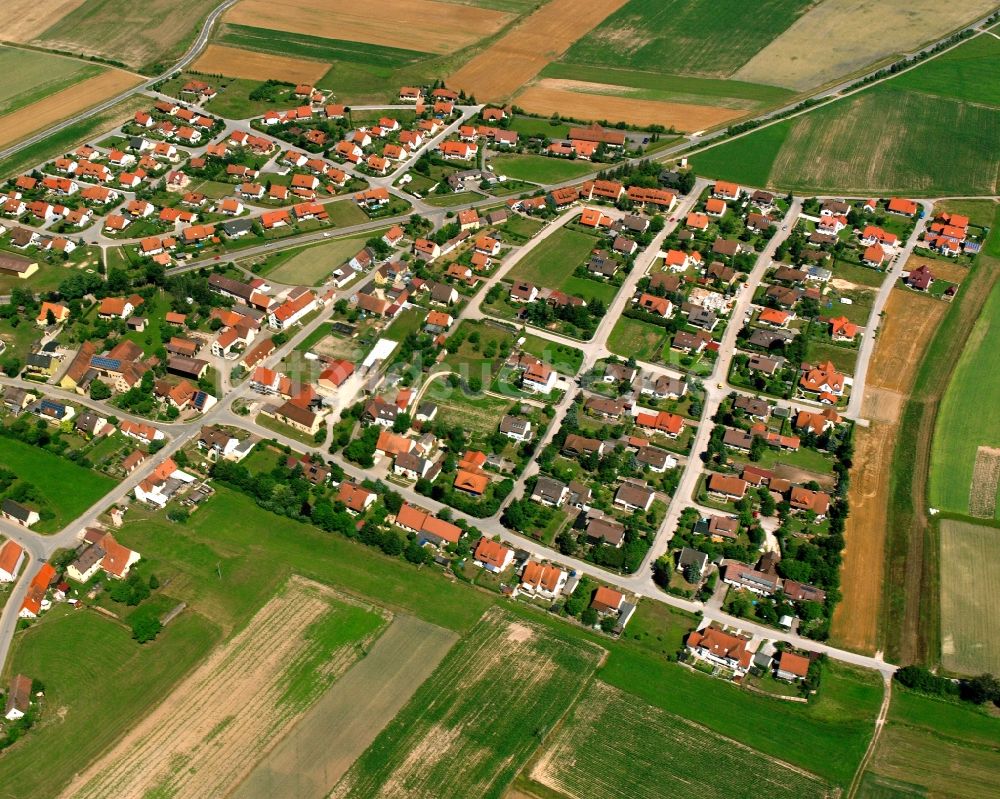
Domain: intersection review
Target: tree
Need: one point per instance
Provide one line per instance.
(608, 624)
(982, 689)
(99, 390)
(11, 366)
(402, 423)
(145, 628)
(589, 617)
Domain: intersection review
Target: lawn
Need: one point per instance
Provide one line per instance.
(861, 275)
(965, 422)
(589, 289)
(521, 228)
(479, 358)
(545, 128)
(843, 358)
(68, 489)
(496, 693)
(144, 36)
(830, 149)
(312, 265)
(645, 85)
(633, 338)
(456, 198)
(565, 360)
(687, 37)
(552, 262)
(409, 321)
(540, 168)
(344, 213)
(584, 758)
(38, 76)
(98, 684)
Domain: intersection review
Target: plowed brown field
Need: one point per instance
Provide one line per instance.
(423, 25)
(909, 323)
(236, 63)
(217, 724)
(514, 59)
(549, 96)
(24, 20)
(64, 104)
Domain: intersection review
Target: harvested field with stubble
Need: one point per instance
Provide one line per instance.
(613, 746)
(970, 557)
(23, 19)
(63, 104)
(213, 727)
(310, 760)
(910, 320)
(580, 100)
(470, 728)
(233, 62)
(836, 39)
(538, 39)
(428, 26)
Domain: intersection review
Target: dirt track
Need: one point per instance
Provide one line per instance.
(66, 103)
(24, 20)
(514, 59)
(236, 63)
(426, 26)
(910, 322)
(548, 96)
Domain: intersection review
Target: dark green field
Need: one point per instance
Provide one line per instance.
(886, 139)
(315, 47)
(687, 37)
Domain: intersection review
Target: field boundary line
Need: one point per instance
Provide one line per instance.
(879, 726)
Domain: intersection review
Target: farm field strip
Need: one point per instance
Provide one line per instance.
(216, 724)
(438, 27)
(65, 103)
(580, 100)
(39, 75)
(317, 752)
(218, 59)
(145, 35)
(613, 746)
(965, 422)
(910, 320)
(528, 47)
(23, 19)
(318, 48)
(471, 726)
(835, 39)
(970, 561)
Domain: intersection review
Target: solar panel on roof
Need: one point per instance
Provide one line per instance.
(101, 362)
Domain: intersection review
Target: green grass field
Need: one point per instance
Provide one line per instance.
(455, 198)
(98, 684)
(256, 551)
(473, 724)
(312, 265)
(317, 48)
(686, 37)
(839, 721)
(844, 358)
(540, 168)
(885, 139)
(344, 213)
(38, 76)
(932, 747)
(554, 260)
(645, 85)
(566, 360)
(139, 35)
(636, 339)
(964, 421)
(68, 489)
(585, 758)
(970, 555)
